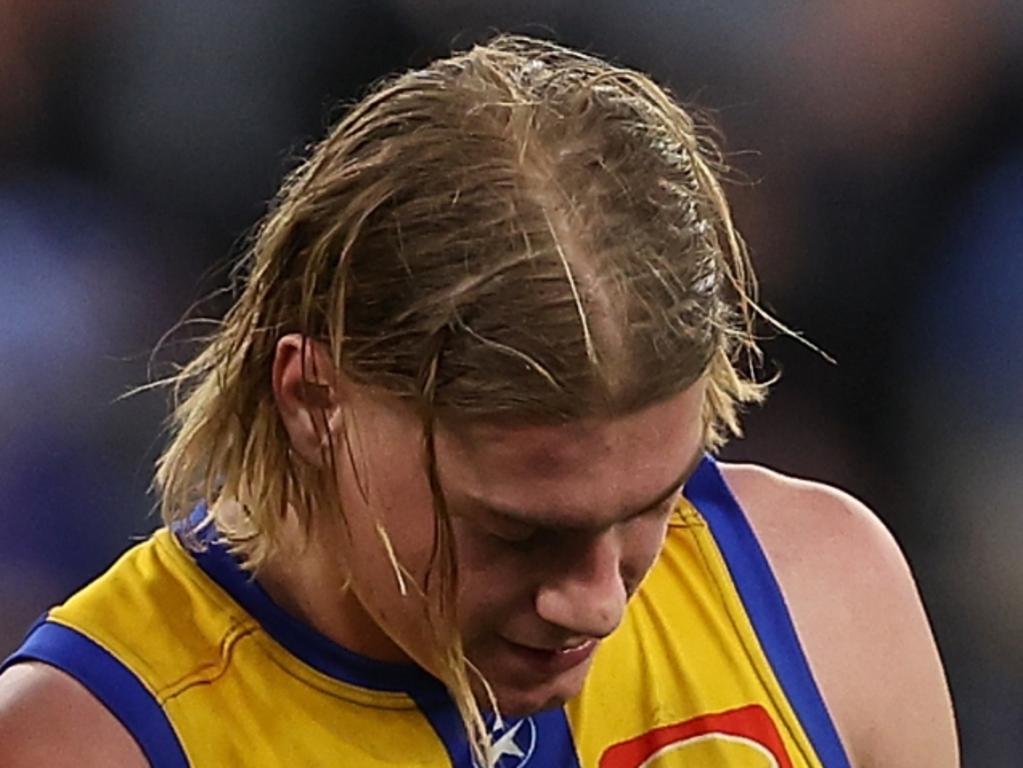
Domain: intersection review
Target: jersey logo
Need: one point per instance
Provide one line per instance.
(739, 738)
(512, 744)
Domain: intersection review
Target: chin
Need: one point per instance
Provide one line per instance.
(517, 698)
(519, 703)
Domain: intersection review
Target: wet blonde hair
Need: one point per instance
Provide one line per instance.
(520, 230)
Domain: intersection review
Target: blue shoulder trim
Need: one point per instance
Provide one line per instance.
(306, 643)
(544, 736)
(106, 678)
(765, 606)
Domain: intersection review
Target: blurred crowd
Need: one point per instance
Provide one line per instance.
(878, 149)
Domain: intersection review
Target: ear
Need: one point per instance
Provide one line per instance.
(305, 389)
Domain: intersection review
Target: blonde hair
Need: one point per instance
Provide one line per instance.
(518, 230)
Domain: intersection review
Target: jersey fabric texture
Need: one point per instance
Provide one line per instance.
(204, 670)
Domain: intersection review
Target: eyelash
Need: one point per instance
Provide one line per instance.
(530, 539)
(526, 541)
(515, 542)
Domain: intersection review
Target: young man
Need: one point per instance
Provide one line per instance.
(439, 492)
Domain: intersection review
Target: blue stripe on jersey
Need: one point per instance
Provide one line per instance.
(304, 642)
(765, 606)
(110, 682)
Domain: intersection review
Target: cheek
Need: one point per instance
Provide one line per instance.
(395, 500)
(493, 564)
(477, 552)
(494, 582)
(390, 494)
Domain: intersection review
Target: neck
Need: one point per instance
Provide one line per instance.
(306, 581)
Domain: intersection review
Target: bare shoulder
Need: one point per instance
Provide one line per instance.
(48, 718)
(799, 519)
(859, 617)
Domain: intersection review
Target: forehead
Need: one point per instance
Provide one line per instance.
(573, 471)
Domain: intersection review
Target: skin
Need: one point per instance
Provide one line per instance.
(585, 491)
(585, 509)
(859, 617)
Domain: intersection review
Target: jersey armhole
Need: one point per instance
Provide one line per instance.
(110, 681)
(765, 606)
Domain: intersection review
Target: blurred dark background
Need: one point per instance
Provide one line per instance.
(883, 148)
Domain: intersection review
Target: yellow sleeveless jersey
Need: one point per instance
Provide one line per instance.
(204, 670)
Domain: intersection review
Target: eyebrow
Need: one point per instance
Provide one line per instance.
(515, 516)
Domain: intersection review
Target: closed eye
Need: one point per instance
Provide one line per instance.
(519, 541)
(503, 531)
(506, 530)
(515, 535)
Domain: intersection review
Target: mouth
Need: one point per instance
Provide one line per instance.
(548, 662)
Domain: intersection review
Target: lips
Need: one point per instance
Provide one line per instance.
(546, 662)
(573, 646)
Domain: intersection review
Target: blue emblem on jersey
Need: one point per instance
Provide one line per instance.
(538, 741)
(513, 745)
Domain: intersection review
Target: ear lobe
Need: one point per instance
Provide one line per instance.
(304, 388)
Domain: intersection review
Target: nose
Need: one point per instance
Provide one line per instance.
(584, 593)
